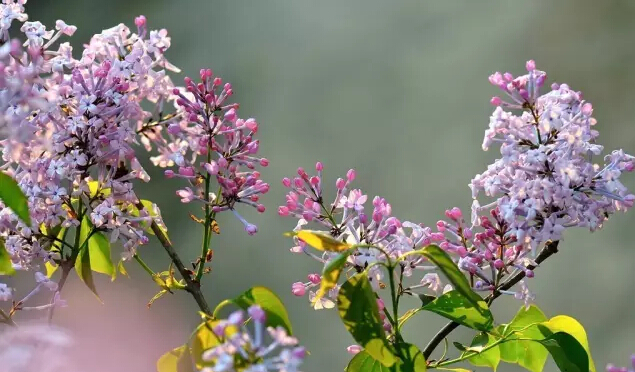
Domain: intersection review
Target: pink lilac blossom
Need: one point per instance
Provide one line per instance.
(544, 183)
(204, 140)
(239, 345)
(70, 130)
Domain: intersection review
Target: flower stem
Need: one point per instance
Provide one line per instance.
(549, 249)
(144, 265)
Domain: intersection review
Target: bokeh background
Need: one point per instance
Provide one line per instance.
(397, 90)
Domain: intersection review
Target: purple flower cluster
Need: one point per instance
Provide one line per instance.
(72, 152)
(546, 179)
(543, 183)
(239, 346)
(207, 140)
(71, 129)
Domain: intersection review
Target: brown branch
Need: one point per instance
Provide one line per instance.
(193, 287)
(549, 249)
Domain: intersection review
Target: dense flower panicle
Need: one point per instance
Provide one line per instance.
(240, 347)
(545, 180)
(612, 368)
(205, 139)
(486, 252)
(70, 127)
(544, 183)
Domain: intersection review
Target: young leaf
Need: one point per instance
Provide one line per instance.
(357, 306)
(13, 197)
(177, 360)
(413, 362)
(331, 274)
(489, 358)
(563, 323)
(6, 266)
(455, 306)
(272, 305)
(527, 354)
(565, 350)
(441, 259)
(50, 269)
(98, 247)
(322, 242)
(203, 339)
(83, 261)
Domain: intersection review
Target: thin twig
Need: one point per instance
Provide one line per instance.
(66, 269)
(194, 288)
(549, 249)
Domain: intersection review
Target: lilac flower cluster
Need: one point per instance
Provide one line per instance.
(545, 180)
(238, 347)
(72, 151)
(207, 140)
(544, 183)
(71, 128)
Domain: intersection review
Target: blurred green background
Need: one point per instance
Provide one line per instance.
(397, 90)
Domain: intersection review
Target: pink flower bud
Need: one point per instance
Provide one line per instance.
(286, 182)
(319, 166)
(587, 109)
(496, 101)
(350, 175)
(499, 264)
(354, 349)
(169, 173)
(140, 21)
(340, 184)
(256, 313)
(314, 278)
(530, 65)
(298, 289)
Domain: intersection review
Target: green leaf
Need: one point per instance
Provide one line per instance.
(489, 358)
(177, 360)
(272, 305)
(413, 361)
(83, 262)
(331, 274)
(357, 306)
(100, 261)
(13, 197)
(6, 265)
(563, 323)
(441, 259)
(321, 241)
(527, 354)
(565, 350)
(455, 306)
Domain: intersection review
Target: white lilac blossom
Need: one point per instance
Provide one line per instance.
(260, 349)
(544, 183)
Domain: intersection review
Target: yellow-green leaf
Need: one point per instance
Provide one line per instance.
(13, 197)
(321, 241)
(563, 323)
(177, 360)
(357, 306)
(457, 307)
(6, 265)
(488, 358)
(50, 269)
(331, 274)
